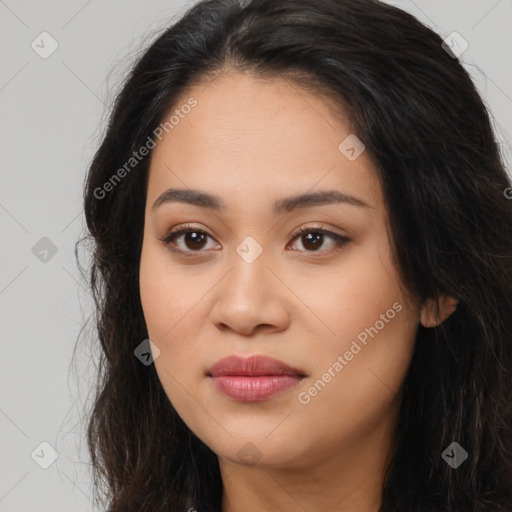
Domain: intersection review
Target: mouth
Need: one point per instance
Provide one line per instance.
(254, 378)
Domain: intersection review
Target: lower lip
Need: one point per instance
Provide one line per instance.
(253, 389)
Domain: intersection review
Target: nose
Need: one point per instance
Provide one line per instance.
(250, 299)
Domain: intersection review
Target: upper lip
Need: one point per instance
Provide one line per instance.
(252, 366)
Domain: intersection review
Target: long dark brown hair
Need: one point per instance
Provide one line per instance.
(429, 135)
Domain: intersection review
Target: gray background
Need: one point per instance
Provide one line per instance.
(51, 118)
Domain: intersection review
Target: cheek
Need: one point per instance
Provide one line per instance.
(162, 303)
(355, 385)
(170, 304)
(362, 289)
(164, 296)
(374, 328)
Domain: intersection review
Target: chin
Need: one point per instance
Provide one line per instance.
(260, 451)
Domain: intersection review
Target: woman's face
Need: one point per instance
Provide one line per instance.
(244, 281)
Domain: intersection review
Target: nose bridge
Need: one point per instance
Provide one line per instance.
(249, 296)
(250, 261)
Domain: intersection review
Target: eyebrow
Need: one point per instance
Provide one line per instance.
(285, 205)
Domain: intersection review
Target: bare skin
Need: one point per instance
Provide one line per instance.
(254, 142)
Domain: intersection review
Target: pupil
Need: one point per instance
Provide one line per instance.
(195, 238)
(316, 237)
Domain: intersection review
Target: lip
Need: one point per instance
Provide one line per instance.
(253, 378)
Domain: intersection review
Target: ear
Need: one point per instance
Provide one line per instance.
(428, 312)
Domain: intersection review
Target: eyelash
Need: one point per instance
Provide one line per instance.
(174, 233)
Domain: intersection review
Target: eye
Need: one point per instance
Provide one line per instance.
(313, 237)
(195, 240)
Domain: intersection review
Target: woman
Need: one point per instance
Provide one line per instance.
(302, 270)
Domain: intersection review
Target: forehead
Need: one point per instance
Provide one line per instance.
(259, 139)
